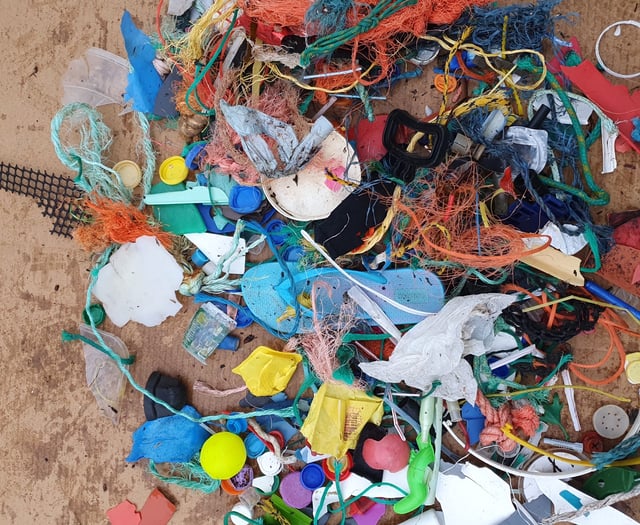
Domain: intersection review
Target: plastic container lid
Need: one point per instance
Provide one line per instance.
(610, 421)
(245, 199)
(312, 477)
(130, 173)
(254, 446)
(173, 170)
(293, 492)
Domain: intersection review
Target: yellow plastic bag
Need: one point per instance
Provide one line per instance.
(266, 371)
(337, 416)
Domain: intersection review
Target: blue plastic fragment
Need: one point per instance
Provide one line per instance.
(171, 439)
(144, 80)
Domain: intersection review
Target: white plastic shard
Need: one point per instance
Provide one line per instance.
(139, 284)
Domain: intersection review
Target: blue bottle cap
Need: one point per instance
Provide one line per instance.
(312, 477)
(191, 160)
(254, 446)
(198, 258)
(237, 426)
(230, 342)
(293, 253)
(245, 199)
(275, 230)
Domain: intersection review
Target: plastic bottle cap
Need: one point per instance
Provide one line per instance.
(254, 446)
(632, 367)
(237, 426)
(329, 467)
(293, 253)
(173, 170)
(312, 477)
(610, 421)
(439, 83)
(293, 492)
(191, 160)
(130, 173)
(97, 314)
(275, 231)
(198, 258)
(245, 199)
(269, 464)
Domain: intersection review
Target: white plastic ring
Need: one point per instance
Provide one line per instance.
(599, 58)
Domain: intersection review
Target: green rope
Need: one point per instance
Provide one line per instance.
(85, 158)
(149, 156)
(189, 475)
(66, 336)
(328, 44)
(202, 71)
(234, 514)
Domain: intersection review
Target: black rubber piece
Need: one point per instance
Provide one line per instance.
(168, 389)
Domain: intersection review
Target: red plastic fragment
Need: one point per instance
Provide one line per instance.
(157, 510)
(124, 513)
(614, 100)
(628, 234)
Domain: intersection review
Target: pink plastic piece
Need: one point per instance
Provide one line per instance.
(371, 516)
(390, 453)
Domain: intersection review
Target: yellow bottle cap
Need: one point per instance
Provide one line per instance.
(633, 368)
(173, 170)
(130, 173)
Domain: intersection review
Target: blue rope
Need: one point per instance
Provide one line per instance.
(620, 451)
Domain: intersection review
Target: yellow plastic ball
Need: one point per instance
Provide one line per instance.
(223, 455)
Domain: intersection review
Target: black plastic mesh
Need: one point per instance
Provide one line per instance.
(57, 196)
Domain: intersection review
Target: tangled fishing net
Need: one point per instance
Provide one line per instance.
(278, 100)
(443, 222)
(115, 222)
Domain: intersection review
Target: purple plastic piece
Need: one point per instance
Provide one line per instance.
(293, 493)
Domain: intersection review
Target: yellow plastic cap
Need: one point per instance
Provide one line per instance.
(130, 173)
(633, 368)
(173, 170)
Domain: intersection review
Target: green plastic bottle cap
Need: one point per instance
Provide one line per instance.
(130, 173)
(173, 170)
(97, 314)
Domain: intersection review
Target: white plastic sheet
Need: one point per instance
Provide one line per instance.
(139, 283)
(433, 350)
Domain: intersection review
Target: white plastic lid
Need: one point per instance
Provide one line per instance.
(269, 464)
(610, 421)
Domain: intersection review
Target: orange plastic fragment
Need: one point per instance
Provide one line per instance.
(157, 510)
